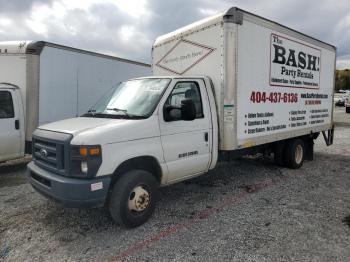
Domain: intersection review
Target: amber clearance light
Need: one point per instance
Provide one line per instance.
(92, 151)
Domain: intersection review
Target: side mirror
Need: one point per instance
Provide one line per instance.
(188, 110)
(171, 113)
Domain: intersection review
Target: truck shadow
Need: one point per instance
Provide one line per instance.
(180, 201)
(13, 173)
(14, 165)
(6, 169)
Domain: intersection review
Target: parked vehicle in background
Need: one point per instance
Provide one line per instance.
(42, 82)
(347, 104)
(339, 101)
(229, 85)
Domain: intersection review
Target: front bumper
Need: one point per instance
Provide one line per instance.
(70, 192)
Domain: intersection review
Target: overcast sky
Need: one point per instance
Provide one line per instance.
(127, 28)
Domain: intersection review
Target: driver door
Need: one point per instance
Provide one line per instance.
(186, 144)
(10, 132)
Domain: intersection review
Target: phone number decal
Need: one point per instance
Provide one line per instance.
(273, 97)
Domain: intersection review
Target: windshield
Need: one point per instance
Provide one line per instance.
(131, 99)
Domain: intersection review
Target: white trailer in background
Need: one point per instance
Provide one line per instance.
(42, 82)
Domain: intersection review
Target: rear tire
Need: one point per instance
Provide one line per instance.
(294, 153)
(133, 198)
(347, 110)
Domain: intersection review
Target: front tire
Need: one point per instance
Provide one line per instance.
(347, 110)
(294, 153)
(133, 198)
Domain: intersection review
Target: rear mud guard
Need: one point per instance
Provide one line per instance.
(328, 138)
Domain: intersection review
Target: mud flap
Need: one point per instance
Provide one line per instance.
(309, 148)
(328, 138)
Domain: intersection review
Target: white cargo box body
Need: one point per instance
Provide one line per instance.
(58, 82)
(271, 82)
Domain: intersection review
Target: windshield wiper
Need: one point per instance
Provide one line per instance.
(126, 113)
(93, 113)
(90, 112)
(119, 110)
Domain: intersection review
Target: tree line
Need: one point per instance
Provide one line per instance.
(342, 79)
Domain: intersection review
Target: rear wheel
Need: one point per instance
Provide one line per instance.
(133, 198)
(294, 153)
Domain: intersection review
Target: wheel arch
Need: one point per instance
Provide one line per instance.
(146, 163)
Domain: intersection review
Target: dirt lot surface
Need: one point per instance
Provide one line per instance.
(246, 210)
(340, 117)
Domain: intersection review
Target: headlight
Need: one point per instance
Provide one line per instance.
(85, 161)
(84, 167)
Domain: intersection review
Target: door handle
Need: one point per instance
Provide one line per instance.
(206, 136)
(17, 124)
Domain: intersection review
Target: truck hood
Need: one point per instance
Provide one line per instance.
(77, 125)
(89, 130)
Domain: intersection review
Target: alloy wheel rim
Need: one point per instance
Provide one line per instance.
(298, 154)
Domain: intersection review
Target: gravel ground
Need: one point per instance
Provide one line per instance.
(245, 210)
(340, 117)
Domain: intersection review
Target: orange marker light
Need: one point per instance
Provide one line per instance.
(94, 151)
(83, 151)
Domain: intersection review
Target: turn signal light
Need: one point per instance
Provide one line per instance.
(83, 151)
(93, 151)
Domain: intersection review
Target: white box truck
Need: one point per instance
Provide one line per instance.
(231, 84)
(42, 82)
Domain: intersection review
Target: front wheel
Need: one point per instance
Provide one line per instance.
(294, 153)
(347, 109)
(133, 198)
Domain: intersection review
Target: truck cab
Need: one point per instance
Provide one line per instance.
(143, 133)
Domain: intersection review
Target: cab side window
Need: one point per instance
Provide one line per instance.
(186, 90)
(6, 105)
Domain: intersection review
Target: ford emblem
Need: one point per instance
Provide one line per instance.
(43, 153)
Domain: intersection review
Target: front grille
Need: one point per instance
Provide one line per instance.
(50, 151)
